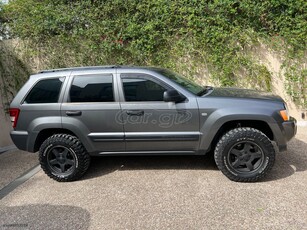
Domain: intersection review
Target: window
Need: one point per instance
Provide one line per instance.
(92, 88)
(45, 91)
(141, 89)
(184, 82)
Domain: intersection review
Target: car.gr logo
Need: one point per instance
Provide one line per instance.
(164, 119)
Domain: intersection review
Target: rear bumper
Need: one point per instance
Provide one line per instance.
(20, 139)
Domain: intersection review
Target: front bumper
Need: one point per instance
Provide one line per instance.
(288, 131)
(290, 128)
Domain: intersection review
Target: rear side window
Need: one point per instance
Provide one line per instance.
(45, 91)
(92, 88)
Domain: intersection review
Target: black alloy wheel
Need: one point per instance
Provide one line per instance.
(245, 156)
(61, 160)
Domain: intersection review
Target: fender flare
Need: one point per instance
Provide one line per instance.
(218, 118)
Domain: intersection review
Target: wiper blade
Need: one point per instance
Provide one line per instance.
(205, 90)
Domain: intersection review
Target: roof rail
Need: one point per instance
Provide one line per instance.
(78, 68)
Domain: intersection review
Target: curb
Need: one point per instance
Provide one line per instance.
(7, 148)
(20, 180)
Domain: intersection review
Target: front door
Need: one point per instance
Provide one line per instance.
(152, 125)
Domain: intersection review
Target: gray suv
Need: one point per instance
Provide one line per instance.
(71, 114)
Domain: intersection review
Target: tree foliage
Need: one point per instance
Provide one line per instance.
(220, 33)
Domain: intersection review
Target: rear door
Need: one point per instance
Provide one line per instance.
(90, 107)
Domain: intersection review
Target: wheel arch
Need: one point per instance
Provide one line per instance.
(260, 125)
(45, 133)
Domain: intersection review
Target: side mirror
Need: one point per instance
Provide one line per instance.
(173, 96)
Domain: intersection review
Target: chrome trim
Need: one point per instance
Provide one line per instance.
(145, 136)
(146, 152)
(162, 136)
(101, 137)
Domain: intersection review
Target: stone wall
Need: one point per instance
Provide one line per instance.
(5, 127)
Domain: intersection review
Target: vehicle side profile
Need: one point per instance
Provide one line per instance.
(69, 115)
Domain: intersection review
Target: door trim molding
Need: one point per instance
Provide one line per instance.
(162, 136)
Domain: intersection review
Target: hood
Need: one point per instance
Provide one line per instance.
(244, 93)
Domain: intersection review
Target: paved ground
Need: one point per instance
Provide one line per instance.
(164, 193)
(13, 164)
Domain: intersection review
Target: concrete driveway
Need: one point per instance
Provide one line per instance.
(183, 192)
(14, 163)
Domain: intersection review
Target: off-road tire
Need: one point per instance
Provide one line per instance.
(228, 154)
(75, 153)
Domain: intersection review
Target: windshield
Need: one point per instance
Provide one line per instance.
(184, 82)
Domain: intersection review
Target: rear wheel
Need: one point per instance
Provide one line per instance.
(63, 158)
(244, 154)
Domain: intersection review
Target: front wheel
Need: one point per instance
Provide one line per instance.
(244, 154)
(63, 158)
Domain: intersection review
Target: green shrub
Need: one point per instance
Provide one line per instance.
(218, 35)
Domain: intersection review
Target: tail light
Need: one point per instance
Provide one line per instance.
(14, 113)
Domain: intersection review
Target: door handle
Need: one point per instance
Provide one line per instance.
(135, 112)
(73, 113)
